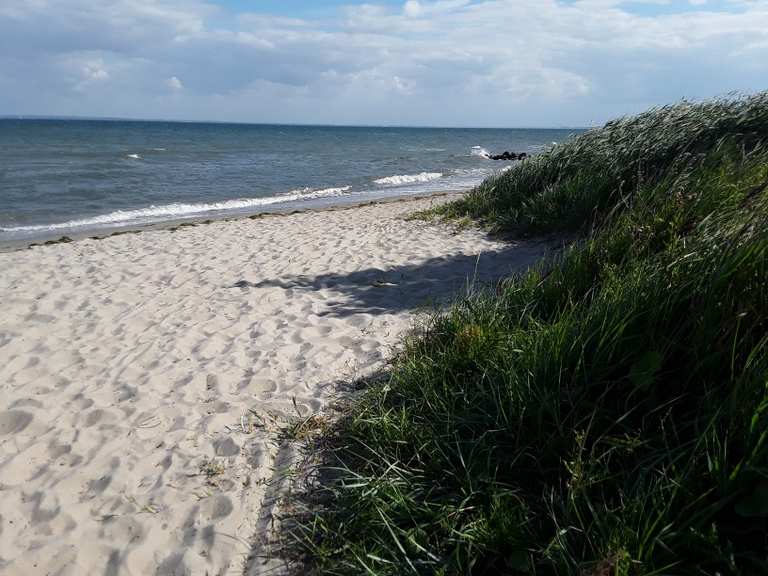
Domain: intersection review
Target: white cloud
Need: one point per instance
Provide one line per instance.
(442, 62)
(83, 71)
(174, 84)
(94, 71)
(412, 8)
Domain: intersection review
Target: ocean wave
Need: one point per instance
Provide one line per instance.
(307, 193)
(400, 179)
(473, 171)
(480, 151)
(181, 210)
(134, 156)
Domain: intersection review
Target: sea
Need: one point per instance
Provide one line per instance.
(67, 177)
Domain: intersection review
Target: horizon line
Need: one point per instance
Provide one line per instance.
(292, 124)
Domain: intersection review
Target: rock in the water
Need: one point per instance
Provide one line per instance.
(506, 155)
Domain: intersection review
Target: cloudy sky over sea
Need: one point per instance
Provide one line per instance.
(446, 62)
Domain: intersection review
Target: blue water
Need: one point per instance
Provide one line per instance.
(61, 176)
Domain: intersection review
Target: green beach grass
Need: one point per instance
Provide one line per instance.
(605, 414)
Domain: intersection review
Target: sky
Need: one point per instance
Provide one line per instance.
(494, 63)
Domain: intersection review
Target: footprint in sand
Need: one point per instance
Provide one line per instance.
(226, 447)
(14, 421)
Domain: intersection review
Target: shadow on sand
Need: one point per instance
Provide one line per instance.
(412, 286)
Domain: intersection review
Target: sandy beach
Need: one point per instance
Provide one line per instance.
(144, 377)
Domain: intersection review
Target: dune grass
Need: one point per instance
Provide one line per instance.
(605, 414)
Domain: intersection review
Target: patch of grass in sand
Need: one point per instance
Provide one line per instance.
(426, 215)
(211, 468)
(604, 414)
(439, 214)
(304, 429)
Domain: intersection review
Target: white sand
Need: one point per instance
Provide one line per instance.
(129, 366)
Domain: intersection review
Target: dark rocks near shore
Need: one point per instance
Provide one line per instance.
(506, 155)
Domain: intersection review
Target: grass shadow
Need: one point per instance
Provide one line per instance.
(410, 286)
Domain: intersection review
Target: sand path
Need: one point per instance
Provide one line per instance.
(136, 373)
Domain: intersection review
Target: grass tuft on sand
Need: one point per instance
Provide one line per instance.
(604, 414)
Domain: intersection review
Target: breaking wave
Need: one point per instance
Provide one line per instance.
(480, 151)
(400, 179)
(181, 210)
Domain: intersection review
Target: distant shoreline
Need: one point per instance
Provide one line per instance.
(35, 118)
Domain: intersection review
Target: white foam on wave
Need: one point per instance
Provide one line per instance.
(325, 192)
(473, 171)
(134, 156)
(480, 151)
(181, 210)
(400, 179)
